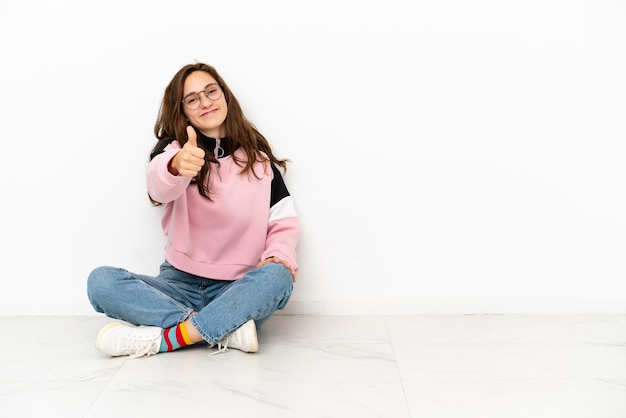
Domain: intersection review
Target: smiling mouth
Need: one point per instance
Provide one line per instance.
(210, 112)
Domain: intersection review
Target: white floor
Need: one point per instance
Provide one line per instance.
(328, 366)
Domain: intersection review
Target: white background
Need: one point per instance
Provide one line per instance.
(447, 156)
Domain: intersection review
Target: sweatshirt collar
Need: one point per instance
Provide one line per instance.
(221, 147)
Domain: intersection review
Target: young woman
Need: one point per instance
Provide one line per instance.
(230, 223)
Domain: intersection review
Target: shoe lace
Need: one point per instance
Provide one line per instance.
(144, 348)
(222, 347)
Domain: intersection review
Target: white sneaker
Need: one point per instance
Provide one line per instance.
(117, 339)
(243, 338)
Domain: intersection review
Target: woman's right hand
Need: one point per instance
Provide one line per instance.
(190, 159)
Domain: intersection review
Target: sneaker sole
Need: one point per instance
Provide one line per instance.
(103, 331)
(254, 345)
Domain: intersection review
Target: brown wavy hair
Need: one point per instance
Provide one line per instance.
(172, 124)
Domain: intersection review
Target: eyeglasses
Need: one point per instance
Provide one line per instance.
(192, 101)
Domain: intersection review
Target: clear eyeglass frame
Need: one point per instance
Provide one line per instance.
(192, 101)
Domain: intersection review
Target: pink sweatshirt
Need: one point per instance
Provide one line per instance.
(247, 221)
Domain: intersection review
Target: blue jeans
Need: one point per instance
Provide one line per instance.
(171, 297)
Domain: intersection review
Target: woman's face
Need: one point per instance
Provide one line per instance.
(208, 117)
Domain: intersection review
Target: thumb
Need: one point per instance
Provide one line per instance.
(192, 137)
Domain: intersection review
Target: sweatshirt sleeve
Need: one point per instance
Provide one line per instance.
(284, 228)
(162, 185)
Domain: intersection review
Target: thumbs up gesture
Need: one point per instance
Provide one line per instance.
(190, 159)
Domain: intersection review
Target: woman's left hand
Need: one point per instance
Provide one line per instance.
(279, 261)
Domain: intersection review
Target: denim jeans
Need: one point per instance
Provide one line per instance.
(171, 297)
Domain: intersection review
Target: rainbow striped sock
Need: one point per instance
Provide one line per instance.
(174, 338)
